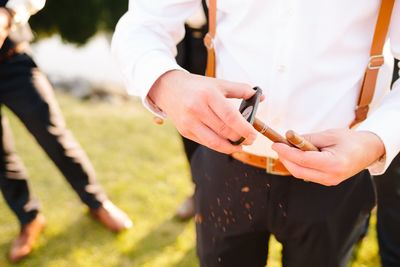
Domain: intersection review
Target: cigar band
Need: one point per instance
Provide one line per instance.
(301, 144)
(264, 128)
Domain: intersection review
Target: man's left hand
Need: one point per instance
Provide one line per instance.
(343, 154)
(5, 24)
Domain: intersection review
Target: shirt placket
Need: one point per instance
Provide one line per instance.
(285, 25)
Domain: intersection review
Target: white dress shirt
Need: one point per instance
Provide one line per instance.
(309, 57)
(24, 9)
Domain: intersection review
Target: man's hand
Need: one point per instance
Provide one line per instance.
(343, 154)
(5, 24)
(200, 110)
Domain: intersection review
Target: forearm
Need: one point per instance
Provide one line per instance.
(144, 43)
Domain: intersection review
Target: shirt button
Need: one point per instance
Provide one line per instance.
(290, 11)
(281, 68)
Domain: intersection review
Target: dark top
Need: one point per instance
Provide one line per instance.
(8, 43)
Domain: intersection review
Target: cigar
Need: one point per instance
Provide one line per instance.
(300, 142)
(269, 133)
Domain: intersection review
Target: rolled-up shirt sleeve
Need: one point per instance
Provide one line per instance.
(24, 9)
(144, 42)
(385, 120)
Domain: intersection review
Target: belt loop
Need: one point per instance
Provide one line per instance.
(270, 165)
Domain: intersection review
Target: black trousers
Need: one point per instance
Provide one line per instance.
(238, 207)
(388, 223)
(28, 94)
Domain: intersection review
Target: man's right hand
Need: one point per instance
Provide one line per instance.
(200, 110)
(5, 24)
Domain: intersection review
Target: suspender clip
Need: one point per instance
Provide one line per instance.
(375, 62)
(208, 41)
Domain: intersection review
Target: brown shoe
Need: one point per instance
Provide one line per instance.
(112, 217)
(186, 209)
(23, 245)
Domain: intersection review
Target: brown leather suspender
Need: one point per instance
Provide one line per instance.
(376, 59)
(209, 38)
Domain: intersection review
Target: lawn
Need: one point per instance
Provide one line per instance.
(143, 169)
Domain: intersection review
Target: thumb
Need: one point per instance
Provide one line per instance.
(236, 90)
(321, 139)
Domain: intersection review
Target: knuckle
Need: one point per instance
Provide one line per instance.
(215, 143)
(220, 86)
(184, 132)
(229, 116)
(223, 130)
(203, 94)
(190, 107)
(185, 121)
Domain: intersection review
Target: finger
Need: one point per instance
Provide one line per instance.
(308, 174)
(300, 142)
(308, 159)
(207, 137)
(321, 139)
(236, 90)
(209, 118)
(247, 142)
(221, 128)
(232, 117)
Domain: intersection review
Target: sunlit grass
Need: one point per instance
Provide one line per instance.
(143, 169)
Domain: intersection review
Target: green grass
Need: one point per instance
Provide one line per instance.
(143, 169)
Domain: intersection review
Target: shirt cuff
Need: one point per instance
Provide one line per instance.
(151, 67)
(24, 9)
(389, 136)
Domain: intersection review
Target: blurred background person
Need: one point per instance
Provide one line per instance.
(388, 213)
(192, 56)
(28, 94)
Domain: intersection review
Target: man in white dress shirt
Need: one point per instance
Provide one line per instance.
(309, 58)
(27, 93)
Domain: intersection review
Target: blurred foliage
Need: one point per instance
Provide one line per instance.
(77, 21)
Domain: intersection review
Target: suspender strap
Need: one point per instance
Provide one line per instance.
(209, 38)
(376, 60)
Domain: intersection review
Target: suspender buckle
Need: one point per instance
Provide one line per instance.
(375, 62)
(208, 41)
(361, 112)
